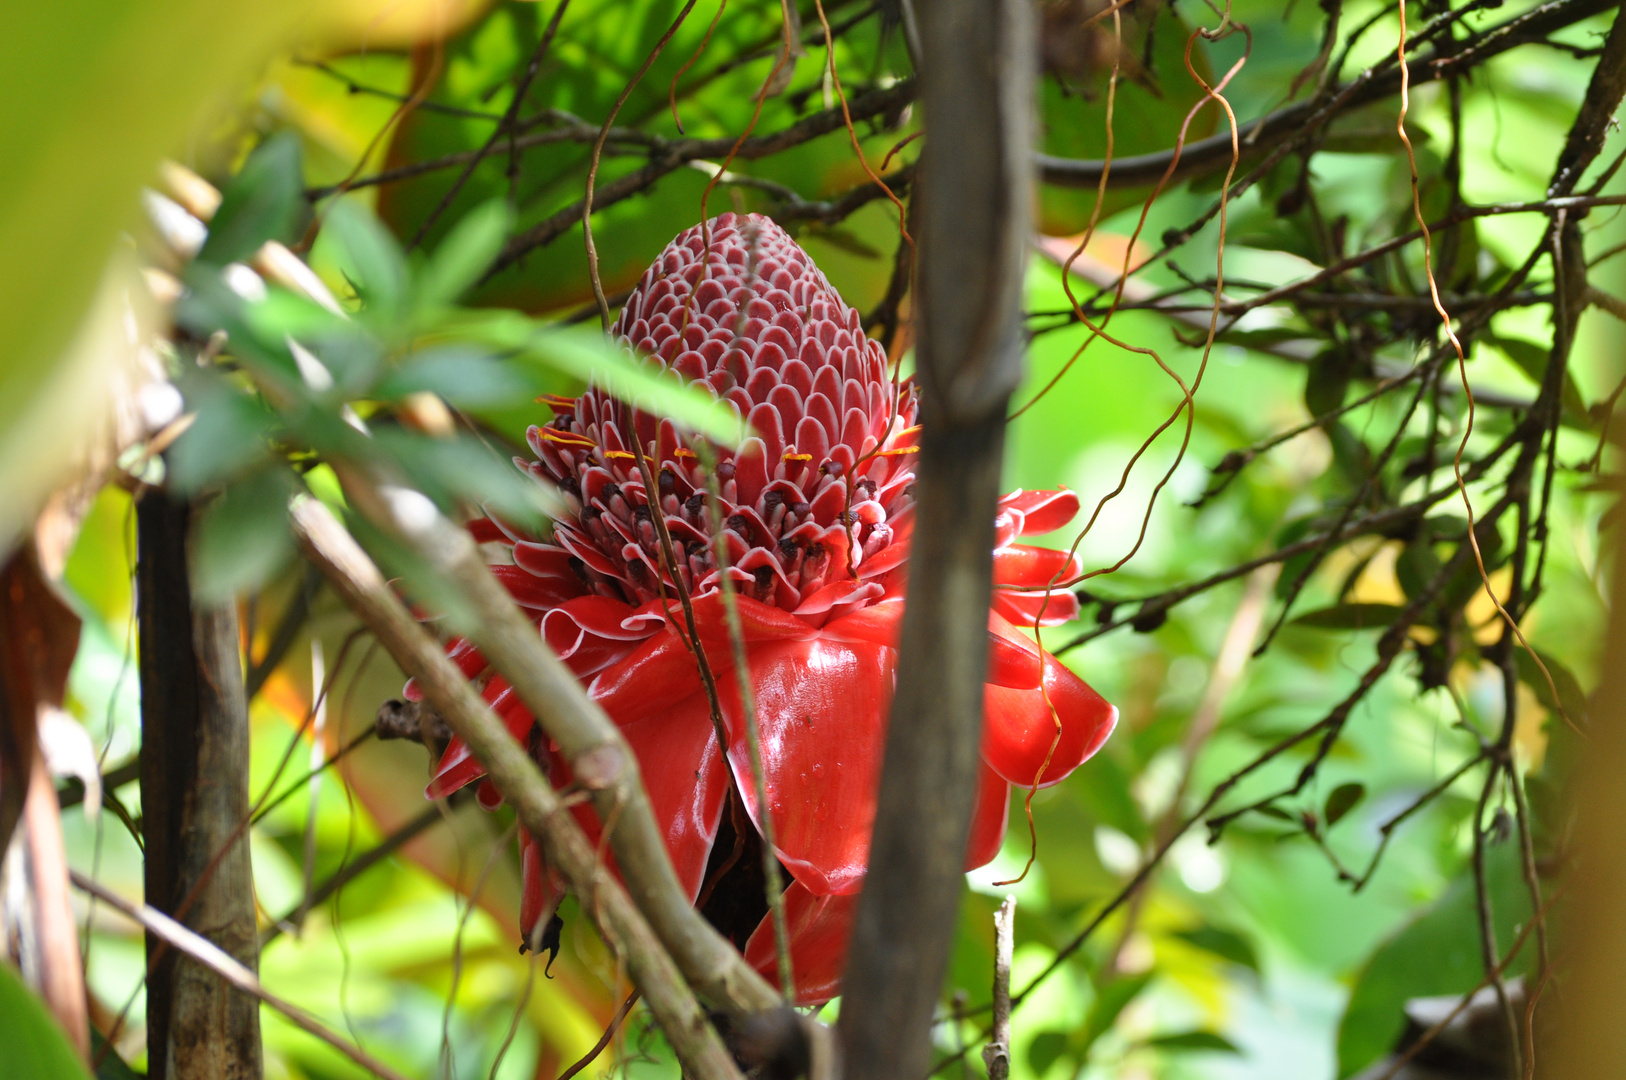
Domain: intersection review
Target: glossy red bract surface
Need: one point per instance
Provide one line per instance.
(816, 513)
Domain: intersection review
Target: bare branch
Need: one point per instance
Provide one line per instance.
(517, 777)
(599, 756)
(236, 974)
(997, 1054)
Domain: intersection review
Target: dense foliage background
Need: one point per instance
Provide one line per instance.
(1261, 948)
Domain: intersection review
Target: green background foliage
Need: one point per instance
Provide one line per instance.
(1247, 957)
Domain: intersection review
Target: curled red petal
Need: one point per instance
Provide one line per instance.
(537, 593)
(878, 624)
(1042, 511)
(820, 927)
(486, 531)
(1024, 564)
(1021, 727)
(685, 779)
(658, 672)
(1036, 608)
(758, 621)
(540, 887)
(988, 818)
(821, 711)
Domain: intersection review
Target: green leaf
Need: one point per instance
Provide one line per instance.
(264, 201)
(1045, 1050)
(35, 1048)
(229, 434)
(1226, 944)
(1570, 694)
(1417, 564)
(1437, 953)
(1110, 1000)
(1350, 617)
(467, 377)
(242, 537)
(1342, 801)
(589, 356)
(110, 1066)
(465, 254)
(373, 260)
(1194, 1040)
(1532, 359)
(465, 470)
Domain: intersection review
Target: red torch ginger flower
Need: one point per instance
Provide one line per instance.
(816, 508)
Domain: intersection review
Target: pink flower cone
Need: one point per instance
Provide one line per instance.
(817, 512)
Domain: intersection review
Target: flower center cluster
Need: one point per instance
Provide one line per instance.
(811, 503)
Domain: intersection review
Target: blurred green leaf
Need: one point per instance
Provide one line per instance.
(264, 201)
(1350, 617)
(1226, 944)
(466, 253)
(465, 376)
(229, 434)
(587, 355)
(1437, 953)
(1045, 1050)
(1532, 358)
(462, 469)
(1342, 801)
(1570, 694)
(1194, 1040)
(374, 262)
(1111, 999)
(35, 1047)
(109, 1065)
(242, 537)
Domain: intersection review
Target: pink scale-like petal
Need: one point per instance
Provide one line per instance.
(829, 502)
(798, 376)
(751, 470)
(838, 592)
(813, 439)
(787, 402)
(768, 422)
(819, 927)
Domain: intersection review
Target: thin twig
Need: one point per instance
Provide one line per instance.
(997, 1054)
(216, 959)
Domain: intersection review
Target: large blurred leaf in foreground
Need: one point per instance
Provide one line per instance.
(35, 1048)
(98, 92)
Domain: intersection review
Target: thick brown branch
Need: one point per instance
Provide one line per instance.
(517, 777)
(599, 757)
(972, 202)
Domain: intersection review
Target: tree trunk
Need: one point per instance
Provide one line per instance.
(974, 209)
(194, 794)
